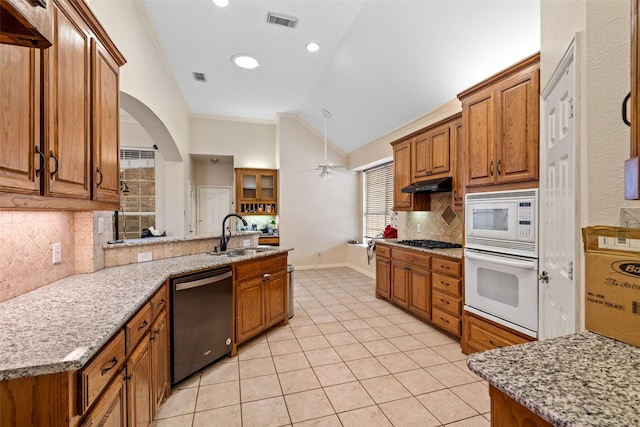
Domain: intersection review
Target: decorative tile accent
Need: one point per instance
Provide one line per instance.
(449, 215)
(440, 223)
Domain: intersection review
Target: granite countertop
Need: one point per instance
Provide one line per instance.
(451, 253)
(583, 379)
(170, 239)
(60, 326)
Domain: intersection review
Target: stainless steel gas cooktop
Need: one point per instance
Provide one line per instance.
(429, 244)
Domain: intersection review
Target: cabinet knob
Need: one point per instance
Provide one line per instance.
(266, 276)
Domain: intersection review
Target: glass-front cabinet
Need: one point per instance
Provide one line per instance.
(256, 191)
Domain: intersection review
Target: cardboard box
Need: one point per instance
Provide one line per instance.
(612, 282)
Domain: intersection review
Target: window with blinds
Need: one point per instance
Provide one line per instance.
(378, 199)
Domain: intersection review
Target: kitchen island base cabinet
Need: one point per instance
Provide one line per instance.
(482, 334)
(139, 401)
(111, 409)
(507, 412)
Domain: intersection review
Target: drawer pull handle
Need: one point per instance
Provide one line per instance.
(41, 154)
(444, 301)
(53, 156)
(114, 362)
(161, 302)
(266, 276)
(445, 267)
(494, 344)
(444, 283)
(444, 320)
(99, 172)
(144, 325)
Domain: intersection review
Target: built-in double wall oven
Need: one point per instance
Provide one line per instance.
(501, 258)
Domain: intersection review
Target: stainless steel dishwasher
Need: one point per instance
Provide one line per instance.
(201, 320)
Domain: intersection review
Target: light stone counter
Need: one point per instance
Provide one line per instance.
(60, 326)
(451, 253)
(582, 379)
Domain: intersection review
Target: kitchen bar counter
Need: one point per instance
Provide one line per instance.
(60, 326)
(452, 253)
(582, 379)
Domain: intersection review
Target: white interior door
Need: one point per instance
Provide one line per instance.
(558, 233)
(214, 203)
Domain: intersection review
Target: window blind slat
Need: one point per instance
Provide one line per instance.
(378, 199)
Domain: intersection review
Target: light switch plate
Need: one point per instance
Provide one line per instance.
(144, 256)
(57, 253)
(247, 242)
(100, 225)
(419, 228)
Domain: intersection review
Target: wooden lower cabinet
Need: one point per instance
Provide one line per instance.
(160, 358)
(383, 271)
(111, 409)
(275, 298)
(482, 334)
(420, 295)
(400, 279)
(249, 309)
(139, 374)
(507, 412)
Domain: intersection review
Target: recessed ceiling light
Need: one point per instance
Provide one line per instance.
(243, 60)
(313, 47)
(221, 3)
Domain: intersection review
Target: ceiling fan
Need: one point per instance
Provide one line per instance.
(327, 167)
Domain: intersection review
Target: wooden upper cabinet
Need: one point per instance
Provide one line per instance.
(257, 191)
(501, 116)
(431, 150)
(67, 94)
(21, 158)
(458, 162)
(401, 174)
(26, 23)
(106, 119)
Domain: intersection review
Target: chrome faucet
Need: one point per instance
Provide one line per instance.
(224, 239)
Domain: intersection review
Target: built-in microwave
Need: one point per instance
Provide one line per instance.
(503, 221)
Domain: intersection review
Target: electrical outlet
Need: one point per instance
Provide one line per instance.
(100, 225)
(57, 253)
(144, 256)
(419, 228)
(246, 242)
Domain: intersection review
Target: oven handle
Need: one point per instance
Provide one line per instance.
(500, 260)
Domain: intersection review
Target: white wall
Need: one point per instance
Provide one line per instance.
(207, 173)
(317, 217)
(141, 77)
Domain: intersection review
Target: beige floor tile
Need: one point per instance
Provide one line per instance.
(290, 362)
(257, 367)
(179, 421)
(462, 364)
(352, 351)
(346, 315)
(401, 318)
(255, 351)
(332, 328)
(397, 362)
(367, 368)
(348, 396)
(391, 331)
(181, 402)
(284, 347)
(419, 381)
(322, 356)
(425, 357)
(380, 347)
(300, 320)
(417, 327)
(227, 416)
(340, 338)
(434, 338)
(366, 313)
(450, 375)
(406, 343)
(308, 405)
(371, 416)
(280, 333)
(385, 389)
(477, 421)
(389, 310)
(446, 406)
(364, 335)
(452, 352)
(316, 311)
(323, 318)
(337, 373)
(313, 343)
(220, 373)
(306, 331)
(475, 395)
(265, 413)
(218, 395)
(408, 412)
(194, 381)
(356, 324)
(338, 308)
(259, 388)
(297, 381)
(329, 421)
(378, 321)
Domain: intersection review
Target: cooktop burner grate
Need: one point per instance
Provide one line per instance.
(429, 244)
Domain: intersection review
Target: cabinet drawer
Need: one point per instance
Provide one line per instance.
(416, 258)
(383, 251)
(446, 302)
(446, 321)
(159, 301)
(483, 335)
(100, 370)
(137, 327)
(446, 284)
(256, 267)
(446, 266)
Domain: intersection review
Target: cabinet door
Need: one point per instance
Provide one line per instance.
(420, 293)
(458, 163)
(250, 318)
(21, 158)
(477, 111)
(401, 175)
(439, 151)
(105, 122)
(517, 111)
(267, 186)
(275, 298)
(67, 101)
(421, 156)
(249, 186)
(160, 358)
(111, 409)
(139, 400)
(383, 277)
(400, 283)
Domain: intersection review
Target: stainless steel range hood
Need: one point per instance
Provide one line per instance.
(439, 185)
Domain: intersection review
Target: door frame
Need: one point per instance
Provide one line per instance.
(198, 187)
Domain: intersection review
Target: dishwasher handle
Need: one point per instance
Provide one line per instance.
(202, 282)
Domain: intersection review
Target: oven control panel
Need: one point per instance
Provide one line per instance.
(526, 219)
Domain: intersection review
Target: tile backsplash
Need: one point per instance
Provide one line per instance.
(440, 223)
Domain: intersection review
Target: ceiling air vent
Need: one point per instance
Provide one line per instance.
(284, 20)
(199, 77)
